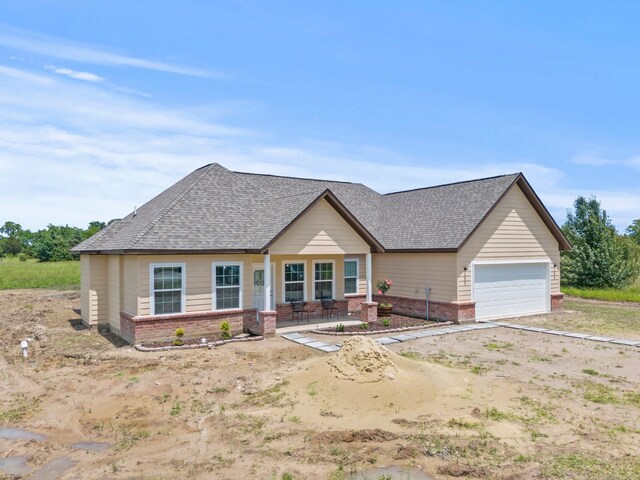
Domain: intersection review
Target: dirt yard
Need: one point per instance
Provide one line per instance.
(495, 403)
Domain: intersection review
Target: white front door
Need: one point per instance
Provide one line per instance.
(258, 287)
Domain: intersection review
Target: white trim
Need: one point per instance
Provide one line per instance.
(260, 266)
(152, 297)
(304, 279)
(333, 280)
(344, 277)
(480, 263)
(213, 285)
(368, 276)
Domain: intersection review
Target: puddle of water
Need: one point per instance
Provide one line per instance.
(20, 434)
(92, 446)
(14, 465)
(53, 469)
(393, 472)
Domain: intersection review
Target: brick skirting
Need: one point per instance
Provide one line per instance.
(161, 328)
(557, 301)
(457, 312)
(314, 307)
(354, 300)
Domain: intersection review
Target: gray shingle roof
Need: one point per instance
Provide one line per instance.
(215, 209)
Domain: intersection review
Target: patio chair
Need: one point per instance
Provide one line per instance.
(328, 307)
(298, 309)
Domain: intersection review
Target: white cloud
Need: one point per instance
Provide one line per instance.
(86, 76)
(63, 49)
(22, 75)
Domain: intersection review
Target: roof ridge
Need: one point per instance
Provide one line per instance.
(452, 183)
(236, 174)
(295, 178)
(166, 209)
(307, 192)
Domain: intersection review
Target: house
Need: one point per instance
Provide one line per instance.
(223, 245)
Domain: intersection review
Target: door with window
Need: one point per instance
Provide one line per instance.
(258, 286)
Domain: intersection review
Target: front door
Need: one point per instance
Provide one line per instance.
(258, 287)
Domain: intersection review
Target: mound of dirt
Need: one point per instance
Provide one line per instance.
(364, 361)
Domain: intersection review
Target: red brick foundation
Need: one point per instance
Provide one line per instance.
(315, 309)
(354, 300)
(161, 328)
(369, 311)
(266, 325)
(457, 312)
(557, 301)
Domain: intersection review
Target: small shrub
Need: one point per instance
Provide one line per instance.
(225, 330)
(590, 371)
(386, 322)
(340, 328)
(179, 334)
(287, 476)
(22, 257)
(364, 325)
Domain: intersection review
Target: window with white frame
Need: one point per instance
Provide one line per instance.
(227, 286)
(167, 288)
(293, 282)
(323, 280)
(351, 275)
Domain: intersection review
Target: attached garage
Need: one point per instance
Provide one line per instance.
(511, 289)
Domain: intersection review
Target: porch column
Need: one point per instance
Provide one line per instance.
(267, 282)
(368, 275)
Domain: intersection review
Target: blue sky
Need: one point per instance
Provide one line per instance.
(104, 104)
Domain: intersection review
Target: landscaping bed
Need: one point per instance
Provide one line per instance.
(194, 343)
(395, 323)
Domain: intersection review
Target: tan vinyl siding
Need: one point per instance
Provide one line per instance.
(93, 271)
(320, 231)
(512, 231)
(198, 279)
(114, 283)
(130, 284)
(413, 272)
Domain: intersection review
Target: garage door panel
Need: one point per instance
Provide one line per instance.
(510, 289)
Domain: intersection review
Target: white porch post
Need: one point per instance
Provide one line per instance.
(368, 273)
(267, 281)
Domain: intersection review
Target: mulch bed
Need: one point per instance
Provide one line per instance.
(194, 343)
(398, 322)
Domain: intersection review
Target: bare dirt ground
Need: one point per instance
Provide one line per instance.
(487, 404)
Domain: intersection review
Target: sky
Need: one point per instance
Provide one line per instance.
(105, 104)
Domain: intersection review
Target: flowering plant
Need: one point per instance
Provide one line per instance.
(383, 287)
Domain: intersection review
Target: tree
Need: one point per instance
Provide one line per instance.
(13, 238)
(600, 258)
(633, 231)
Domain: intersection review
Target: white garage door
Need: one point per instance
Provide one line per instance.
(510, 289)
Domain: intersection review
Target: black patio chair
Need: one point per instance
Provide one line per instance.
(298, 309)
(328, 307)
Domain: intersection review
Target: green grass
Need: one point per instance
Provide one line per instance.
(33, 274)
(627, 294)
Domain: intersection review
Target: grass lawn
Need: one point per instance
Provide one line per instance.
(627, 294)
(599, 318)
(34, 274)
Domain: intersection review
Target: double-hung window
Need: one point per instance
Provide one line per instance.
(323, 280)
(293, 282)
(167, 282)
(351, 276)
(227, 285)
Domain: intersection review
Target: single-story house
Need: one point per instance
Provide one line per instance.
(223, 245)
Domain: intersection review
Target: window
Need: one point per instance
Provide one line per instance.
(167, 288)
(323, 280)
(351, 276)
(293, 282)
(227, 286)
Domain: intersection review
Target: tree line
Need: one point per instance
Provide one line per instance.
(601, 257)
(51, 244)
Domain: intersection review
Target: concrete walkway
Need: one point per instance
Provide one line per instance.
(432, 332)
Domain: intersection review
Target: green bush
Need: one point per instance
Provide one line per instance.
(386, 322)
(179, 334)
(340, 328)
(22, 257)
(364, 325)
(225, 330)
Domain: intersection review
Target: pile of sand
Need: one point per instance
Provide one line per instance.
(364, 361)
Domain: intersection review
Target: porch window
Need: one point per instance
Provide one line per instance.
(323, 280)
(167, 288)
(351, 276)
(293, 282)
(227, 281)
